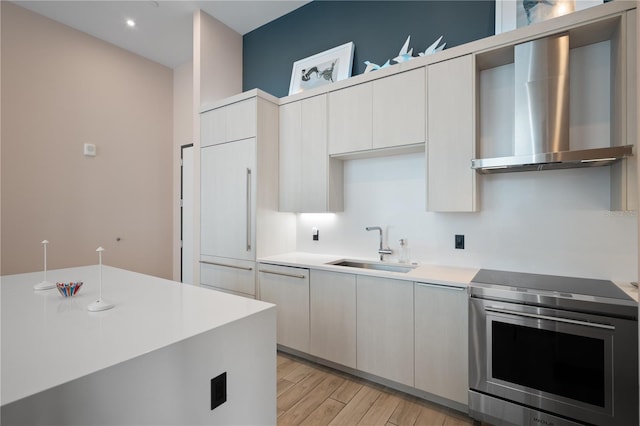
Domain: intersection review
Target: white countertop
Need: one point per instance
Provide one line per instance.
(435, 274)
(48, 340)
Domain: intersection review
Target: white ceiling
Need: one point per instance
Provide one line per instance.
(163, 31)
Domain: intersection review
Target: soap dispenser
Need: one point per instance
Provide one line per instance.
(404, 251)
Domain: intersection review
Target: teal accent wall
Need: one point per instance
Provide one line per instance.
(377, 28)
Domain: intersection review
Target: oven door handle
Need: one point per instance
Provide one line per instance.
(500, 310)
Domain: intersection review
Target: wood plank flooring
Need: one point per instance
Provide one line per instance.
(310, 394)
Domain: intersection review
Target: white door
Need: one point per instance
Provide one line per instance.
(186, 215)
(227, 202)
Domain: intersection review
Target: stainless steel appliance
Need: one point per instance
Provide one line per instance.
(549, 350)
(541, 140)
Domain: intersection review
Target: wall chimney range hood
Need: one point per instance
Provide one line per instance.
(542, 114)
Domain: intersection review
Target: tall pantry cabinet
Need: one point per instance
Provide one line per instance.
(239, 218)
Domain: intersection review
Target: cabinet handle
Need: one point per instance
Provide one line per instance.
(226, 265)
(442, 286)
(248, 209)
(284, 274)
(500, 310)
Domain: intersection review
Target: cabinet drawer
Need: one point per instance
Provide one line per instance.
(228, 274)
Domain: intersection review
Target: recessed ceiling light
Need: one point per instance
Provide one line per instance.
(131, 23)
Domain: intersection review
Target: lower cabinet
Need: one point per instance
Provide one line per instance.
(441, 339)
(333, 317)
(235, 276)
(408, 332)
(385, 328)
(288, 289)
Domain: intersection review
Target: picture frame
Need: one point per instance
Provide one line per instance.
(322, 68)
(510, 14)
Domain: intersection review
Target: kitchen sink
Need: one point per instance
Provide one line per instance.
(378, 266)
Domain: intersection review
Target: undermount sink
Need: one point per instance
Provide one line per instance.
(373, 265)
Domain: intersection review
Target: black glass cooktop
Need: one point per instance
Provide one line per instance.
(551, 283)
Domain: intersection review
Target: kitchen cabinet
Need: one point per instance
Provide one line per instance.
(288, 289)
(229, 123)
(441, 341)
(399, 109)
(310, 181)
(239, 218)
(380, 114)
(385, 328)
(451, 183)
(333, 317)
(229, 275)
(350, 119)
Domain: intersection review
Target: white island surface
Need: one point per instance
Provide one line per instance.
(149, 360)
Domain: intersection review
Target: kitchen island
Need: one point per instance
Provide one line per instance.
(149, 360)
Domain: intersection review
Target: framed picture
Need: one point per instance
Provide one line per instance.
(322, 69)
(512, 14)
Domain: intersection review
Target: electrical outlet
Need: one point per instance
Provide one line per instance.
(460, 242)
(219, 390)
(315, 234)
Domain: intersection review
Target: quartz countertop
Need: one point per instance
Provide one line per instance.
(48, 340)
(435, 274)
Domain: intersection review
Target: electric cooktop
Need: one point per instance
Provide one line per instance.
(581, 294)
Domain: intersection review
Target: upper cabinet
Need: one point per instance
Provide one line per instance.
(230, 123)
(399, 109)
(380, 114)
(310, 181)
(451, 183)
(350, 127)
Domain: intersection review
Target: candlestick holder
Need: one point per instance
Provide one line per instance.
(44, 285)
(100, 304)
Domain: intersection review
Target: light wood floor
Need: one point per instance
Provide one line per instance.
(309, 394)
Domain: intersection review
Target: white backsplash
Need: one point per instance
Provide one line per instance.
(553, 222)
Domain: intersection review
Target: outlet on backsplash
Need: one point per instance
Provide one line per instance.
(459, 242)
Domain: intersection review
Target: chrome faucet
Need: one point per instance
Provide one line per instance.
(381, 250)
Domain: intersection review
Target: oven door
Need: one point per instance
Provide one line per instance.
(567, 363)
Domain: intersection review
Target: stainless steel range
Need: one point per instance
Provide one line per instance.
(549, 350)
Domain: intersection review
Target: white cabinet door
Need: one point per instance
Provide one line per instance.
(350, 115)
(385, 328)
(290, 153)
(310, 182)
(228, 123)
(228, 180)
(288, 289)
(399, 104)
(242, 119)
(314, 161)
(230, 275)
(333, 317)
(441, 339)
(213, 127)
(451, 183)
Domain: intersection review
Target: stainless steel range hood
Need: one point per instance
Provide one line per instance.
(541, 139)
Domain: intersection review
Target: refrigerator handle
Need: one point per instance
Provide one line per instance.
(248, 209)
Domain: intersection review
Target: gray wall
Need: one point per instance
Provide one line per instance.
(378, 29)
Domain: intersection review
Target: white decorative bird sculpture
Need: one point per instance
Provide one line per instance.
(433, 48)
(405, 53)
